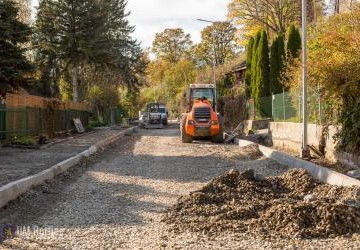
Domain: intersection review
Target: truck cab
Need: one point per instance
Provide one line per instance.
(201, 120)
(164, 113)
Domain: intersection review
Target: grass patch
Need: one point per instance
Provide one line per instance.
(96, 124)
(25, 141)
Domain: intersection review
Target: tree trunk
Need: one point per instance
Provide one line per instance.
(75, 84)
(337, 6)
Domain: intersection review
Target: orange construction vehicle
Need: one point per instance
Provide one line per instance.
(201, 120)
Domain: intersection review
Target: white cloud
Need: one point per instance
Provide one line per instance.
(152, 16)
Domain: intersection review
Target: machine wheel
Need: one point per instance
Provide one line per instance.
(165, 122)
(185, 138)
(219, 138)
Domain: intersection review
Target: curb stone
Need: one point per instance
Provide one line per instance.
(14, 189)
(318, 172)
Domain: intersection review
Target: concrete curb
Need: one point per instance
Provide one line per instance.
(321, 173)
(14, 189)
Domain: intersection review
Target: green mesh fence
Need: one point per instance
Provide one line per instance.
(113, 116)
(35, 121)
(287, 107)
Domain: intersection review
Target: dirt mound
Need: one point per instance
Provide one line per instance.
(252, 151)
(293, 204)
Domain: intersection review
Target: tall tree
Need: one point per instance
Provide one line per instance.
(24, 10)
(277, 63)
(172, 45)
(249, 56)
(14, 66)
(262, 73)
(87, 32)
(218, 38)
(293, 42)
(125, 57)
(73, 30)
(272, 15)
(254, 64)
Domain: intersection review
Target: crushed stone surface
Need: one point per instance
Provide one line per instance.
(117, 201)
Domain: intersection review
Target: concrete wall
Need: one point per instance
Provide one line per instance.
(256, 124)
(288, 136)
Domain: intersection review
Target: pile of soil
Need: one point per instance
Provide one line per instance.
(336, 166)
(291, 205)
(250, 152)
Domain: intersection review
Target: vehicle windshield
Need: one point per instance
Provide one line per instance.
(162, 110)
(154, 109)
(200, 93)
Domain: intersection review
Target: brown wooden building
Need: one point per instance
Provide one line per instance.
(239, 72)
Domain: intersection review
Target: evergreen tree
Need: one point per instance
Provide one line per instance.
(249, 56)
(262, 73)
(293, 42)
(261, 86)
(13, 64)
(73, 31)
(254, 64)
(277, 58)
(87, 32)
(125, 53)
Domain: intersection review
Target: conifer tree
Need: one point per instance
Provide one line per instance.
(13, 64)
(254, 64)
(249, 56)
(293, 42)
(277, 58)
(262, 72)
(88, 32)
(261, 86)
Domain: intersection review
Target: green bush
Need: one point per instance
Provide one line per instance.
(96, 124)
(25, 141)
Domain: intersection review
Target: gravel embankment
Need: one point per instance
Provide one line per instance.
(119, 200)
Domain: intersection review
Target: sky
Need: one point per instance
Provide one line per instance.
(152, 16)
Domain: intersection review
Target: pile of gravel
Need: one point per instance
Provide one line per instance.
(291, 205)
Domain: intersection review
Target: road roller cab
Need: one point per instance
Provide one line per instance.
(201, 121)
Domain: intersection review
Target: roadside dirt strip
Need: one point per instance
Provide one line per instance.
(13, 189)
(118, 200)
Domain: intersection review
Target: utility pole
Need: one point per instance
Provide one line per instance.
(304, 148)
(214, 60)
(337, 7)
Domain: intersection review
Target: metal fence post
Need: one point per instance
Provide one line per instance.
(26, 121)
(319, 96)
(299, 107)
(284, 105)
(272, 105)
(42, 121)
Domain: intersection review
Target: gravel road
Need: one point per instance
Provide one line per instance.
(116, 202)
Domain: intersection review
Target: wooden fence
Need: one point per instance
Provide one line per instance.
(27, 115)
(22, 101)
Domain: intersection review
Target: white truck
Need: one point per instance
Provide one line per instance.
(164, 113)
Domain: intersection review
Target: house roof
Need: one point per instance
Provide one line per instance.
(240, 66)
